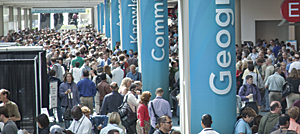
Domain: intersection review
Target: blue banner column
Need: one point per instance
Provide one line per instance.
(129, 24)
(153, 36)
(115, 22)
(107, 18)
(212, 63)
(101, 17)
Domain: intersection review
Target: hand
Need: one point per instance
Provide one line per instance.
(99, 127)
(249, 96)
(68, 132)
(137, 92)
(69, 90)
(258, 108)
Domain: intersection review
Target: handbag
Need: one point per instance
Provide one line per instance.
(156, 116)
(128, 117)
(287, 89)
(67, 114)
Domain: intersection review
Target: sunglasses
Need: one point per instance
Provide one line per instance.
(170, 122)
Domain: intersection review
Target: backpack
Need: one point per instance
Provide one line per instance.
(287, 89)
(98, 80)
(128, 117)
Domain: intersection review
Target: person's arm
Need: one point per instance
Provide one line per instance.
(242, 93)
(132, 100)
(260, 82)
(94, 89)
(258, 97)
(62, 91)
(169, 110)
(141, 113)
(244, 80)
(16, 114)
(107, 89)
(77, 96)
(103, 110)
(124, 91)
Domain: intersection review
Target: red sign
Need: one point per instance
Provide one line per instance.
(290, 10)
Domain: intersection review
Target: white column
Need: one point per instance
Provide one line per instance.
(184, 60)
(52, 21)
(1, 21)
(93, 16)
(11, 18)
(30, 19)
(66, 18)
(39, 21)
(139, 43)
(291, 32)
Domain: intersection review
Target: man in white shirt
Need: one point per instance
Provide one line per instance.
(206, 122)
(81, 124)
(117, 74)
(295, 64)
(133, 103)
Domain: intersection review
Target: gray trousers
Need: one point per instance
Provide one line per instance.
(275, 96)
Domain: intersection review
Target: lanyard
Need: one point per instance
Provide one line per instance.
(79, 124)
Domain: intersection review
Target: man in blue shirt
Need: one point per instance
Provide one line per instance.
(87, 90)
(276, 50)
(133, 74)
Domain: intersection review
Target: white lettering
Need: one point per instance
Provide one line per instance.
(227, 12)
(220, 33)
(222, 74)
(224, 63)
(293, 9)
(159, 30)
(160, 58)
(134, 40)
(158, 10)
(162, 41)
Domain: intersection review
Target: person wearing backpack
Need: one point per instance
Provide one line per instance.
(250, 94)
(157, 108)
(295, 81)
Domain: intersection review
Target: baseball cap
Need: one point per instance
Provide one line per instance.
(55, 129)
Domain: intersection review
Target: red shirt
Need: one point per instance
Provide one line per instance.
(143, 114)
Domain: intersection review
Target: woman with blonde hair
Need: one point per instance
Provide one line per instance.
(143, 122)
(295, 81)
(126, 82)
(113, 121)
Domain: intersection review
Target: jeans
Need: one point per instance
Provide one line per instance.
(67, 122)
(59, 111)
(266, 98)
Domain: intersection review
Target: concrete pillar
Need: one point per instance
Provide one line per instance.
(291, 32)
(25, 18)
(93, 16)
(1, 21)
(11, 14)
(30, 19)
(19, 18)
(238, 32)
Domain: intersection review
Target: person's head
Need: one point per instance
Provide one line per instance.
(293, 112)
(107, 70)
(86, 61)
(259, 61)
(139, 85)
(77, 53)
(284, 55)
(283, 66)
(42, 120)
(275, 107)
(248, 114)
(113, 131)
(165, 123)
(132, 68)
(296, 57)
(269, 61)
(117, 64)
(114, 86)
(249, 79)
(86, 111)
(206, 121)
(126, 82)
(159, 92)
(132, 88)
(77, 64)
(294, 74)
(135, 54)
(250, 67)
(277, 70)
(52, 73)
(4, 94)
(122, 57)
(85, 73)
(254, 51)
(68, 77)
(114, 118)
(55, 129)
(53, 60)
(3, 113)
(76, 113)
(145, 97)
(284, 120)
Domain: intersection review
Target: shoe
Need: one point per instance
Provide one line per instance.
(265, 110)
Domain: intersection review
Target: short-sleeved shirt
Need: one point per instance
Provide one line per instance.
(242, 127)
(10, 128)
(13, 110)
(79, 59)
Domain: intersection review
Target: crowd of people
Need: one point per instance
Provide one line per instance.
(96, 81)
(268, 78)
